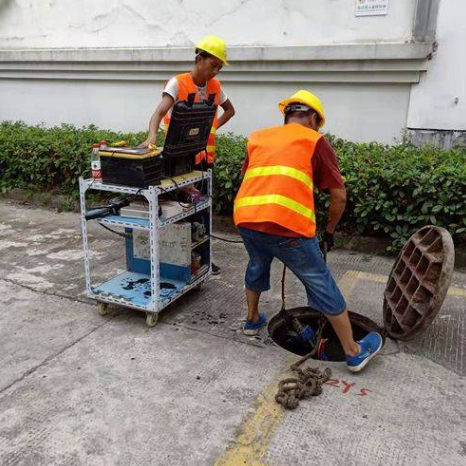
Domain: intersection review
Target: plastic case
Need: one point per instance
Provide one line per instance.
(188, 134)
(139, 170)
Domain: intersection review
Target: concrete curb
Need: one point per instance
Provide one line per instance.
(362, 244)
(41, 199)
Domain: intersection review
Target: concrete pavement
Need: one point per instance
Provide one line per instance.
(80, 389)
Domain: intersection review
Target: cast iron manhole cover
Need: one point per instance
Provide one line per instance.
(418, 282)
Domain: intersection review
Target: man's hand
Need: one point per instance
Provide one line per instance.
(327, 243)
(150, 140)
(337, 207)
(164, 106)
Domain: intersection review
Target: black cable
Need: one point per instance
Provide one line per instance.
(202, 181)
(226, 240)
(123, 235)
(175, 183)
(144, 200)
(92, 182)
(168, 193)
(209, 197)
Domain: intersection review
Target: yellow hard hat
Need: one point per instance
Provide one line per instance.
(305, 98)
(215, 46)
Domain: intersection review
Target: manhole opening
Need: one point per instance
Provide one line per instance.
(330, 348)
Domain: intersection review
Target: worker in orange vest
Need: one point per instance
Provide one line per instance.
(275, 215)
(211, 55)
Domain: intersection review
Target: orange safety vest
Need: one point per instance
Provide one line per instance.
(187, 86)
(278, 184)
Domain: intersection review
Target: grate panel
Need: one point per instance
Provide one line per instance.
(418, 282)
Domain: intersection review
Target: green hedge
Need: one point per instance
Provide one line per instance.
(392, 190)
(39, 158)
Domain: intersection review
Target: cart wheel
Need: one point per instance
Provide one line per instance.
(103, 309)
(152, 318)
(199, 287)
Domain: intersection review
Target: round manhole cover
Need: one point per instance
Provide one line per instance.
(418, 282)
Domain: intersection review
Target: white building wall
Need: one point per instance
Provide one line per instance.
(106, 62)
(438, 102)
(351, 109)
(160, 23)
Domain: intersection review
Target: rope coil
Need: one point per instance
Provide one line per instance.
(308, 382)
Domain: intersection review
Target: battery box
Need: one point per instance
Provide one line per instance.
(131, 167)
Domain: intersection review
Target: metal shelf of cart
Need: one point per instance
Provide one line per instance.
(132, 290)
(143, 224)
(165, 185)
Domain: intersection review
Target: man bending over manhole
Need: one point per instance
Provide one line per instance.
(274, 213)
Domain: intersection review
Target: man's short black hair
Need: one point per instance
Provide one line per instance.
(289, 115)
(201, 53)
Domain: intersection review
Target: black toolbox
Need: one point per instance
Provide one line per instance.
(131, 167)
(188, 134)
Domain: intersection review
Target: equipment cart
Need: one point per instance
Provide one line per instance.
(149, 284)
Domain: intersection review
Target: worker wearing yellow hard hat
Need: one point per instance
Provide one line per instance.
(214, 46)
(275, 214)
(305, 98)
(210, 57)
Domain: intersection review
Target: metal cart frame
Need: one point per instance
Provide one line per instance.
(155, 304)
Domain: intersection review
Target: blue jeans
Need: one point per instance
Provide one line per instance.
(303, 257)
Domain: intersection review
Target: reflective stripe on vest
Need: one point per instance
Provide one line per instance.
(278, 184)
(279, 170)
(276, 199)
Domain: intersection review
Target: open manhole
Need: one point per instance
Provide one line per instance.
(416, 289)
(330, 348)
